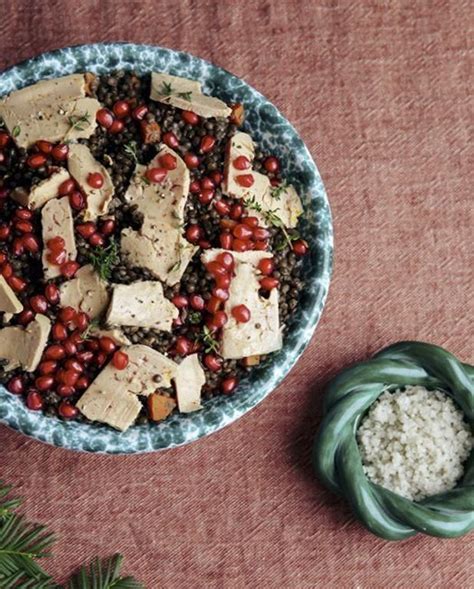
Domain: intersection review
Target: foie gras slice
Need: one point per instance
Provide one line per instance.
(112, 396)
(9, 302)
(186, 94)
(189, 381)
(262, 333)
(81, 163)
(159, 245)
(53, 110)
(41, 192)
(283, 202)
(85, 292)
(57, 221)
(141, 304)
(24, 346)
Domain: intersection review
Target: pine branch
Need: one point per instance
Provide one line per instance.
(103, 575)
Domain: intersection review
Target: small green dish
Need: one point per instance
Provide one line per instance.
(336, 455)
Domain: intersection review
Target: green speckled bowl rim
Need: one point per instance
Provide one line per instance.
(275, 134)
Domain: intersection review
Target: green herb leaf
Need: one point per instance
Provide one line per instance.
(103, 575)
(209, 341)
(94, 324)
(185, 95)
(16, 131)
(166, 89)
(277, 191)
(79, 123)
(131, 150)
(104, 259)
(195, 317)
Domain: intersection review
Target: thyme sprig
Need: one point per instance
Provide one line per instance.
(270, 216)
(79, 123)
(209, 341)
(277, 191)
(131, 150)
(104, 259)
(167, 90)
(94, 324)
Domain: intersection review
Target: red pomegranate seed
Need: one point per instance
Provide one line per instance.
(66, 187)
(245, 180)
(223, 282)
(17, 283)
(193, 233)
(52, 293)
(197, 302)
(226, 240)
(120, 360)
(4, 139)
(44, 146)
(4, 232)
(241, 313)
(240, 246)
(139, 112)
(183, 346)
(266, 266)
(96, 240)
(47, 367)
(300, 247)
(207, 183)
(219, 320)
(16, 385)
(156, 175)
(242, 232)
(236, 212)
(64, 390)
(107, 227)
(86, 229)
(37, 160)
(213, 305)
(82, 383)
(67, 314)
(226, 259)
(25, 316)
(260, 233)
(56, 244)
(17, 247)
(250, 222)
(206, 195)
(216, 269)
(116, 127)
(3, 257)
(107, 345)
(104, 117)
(39, 304)
(30, 243)
(77, 200)
(57, 258)
(121, 109)
(85, 356)
(220, 293)
(271, 164)
(222, 207)
(180, 301)
(59, 332)
(170, 140)
(60, 152)
(67, 377)
(207, 143)
(241, 163)
(228, 385)
(212, 362)
(274, 182)
(34, 401)
(72, 364)
(269, 283)
(92, 344)
(67, 411)
(191, 118)
(191, 160)
(23, 214)
(44, 383)
(195, 187)
(101, 358)
(95, 180)
(23, 226)
(7, 270)
(55, 352)
(204, 244)
(81, 320)
(216, 177)
(168, 161)
(68, 269)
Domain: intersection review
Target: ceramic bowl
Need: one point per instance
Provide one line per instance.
(276, 135)
(336, 454)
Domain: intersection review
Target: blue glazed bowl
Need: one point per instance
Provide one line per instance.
(274, 134)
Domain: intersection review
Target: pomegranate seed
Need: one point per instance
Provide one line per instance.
(31, 243)
(266, 266)
(212, 362)
(228, 385)
(56, 244)
(44, 146)
(250, 222)
(271, 164)
(196, 302)
(64, 390)
(107, 227)
(116, 127)
(223, 282)
(4, 232)
(213, 305)
(207, 183)
(34, 401)
(52, 293)
(82, 383)
(241, 313)
(60, 152)
(55, 352)
(195, 187)
(226, 240)
(156, 175)
(236, 212)
(168, 161)
(183, 346)
(216, 269)
(190, 117)
(67, 377)
(139, 112)
(241, 163)
(66, 187)
(76, 337)
(191, 160)
(77, 200)
(226, 259)
(193, 233)
(220, 293)
(68, 269)
(260, 233)
(107, 345)
(261, 245)
(67, 410)
(207, 143)
(7, 270)
(23, 226)
(67, 314)
(240, 246)
(95, 180)
(245, 180)
(96, 240)
(180, 301)
(170, 140)
(3, 257)
(206, 195)
(121, 109)
(242, 232)
(16, 385)
(17, 283)
(222, 207)
(4, 139)
(216, 177)
(104, 117)
(269, 283)
(85, 356)
(39, 304)
(300, 247)
(47, 367)
(72, 364)
(25, 316)
(44, 383)
(17, 247)
(101, 359)
(81, 320)
(35, 161)
(93, 345)
(86, 229)
(219, 319)
(57, 258)
(120, 360)
(23, 214)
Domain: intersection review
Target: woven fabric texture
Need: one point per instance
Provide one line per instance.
(381, 91)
